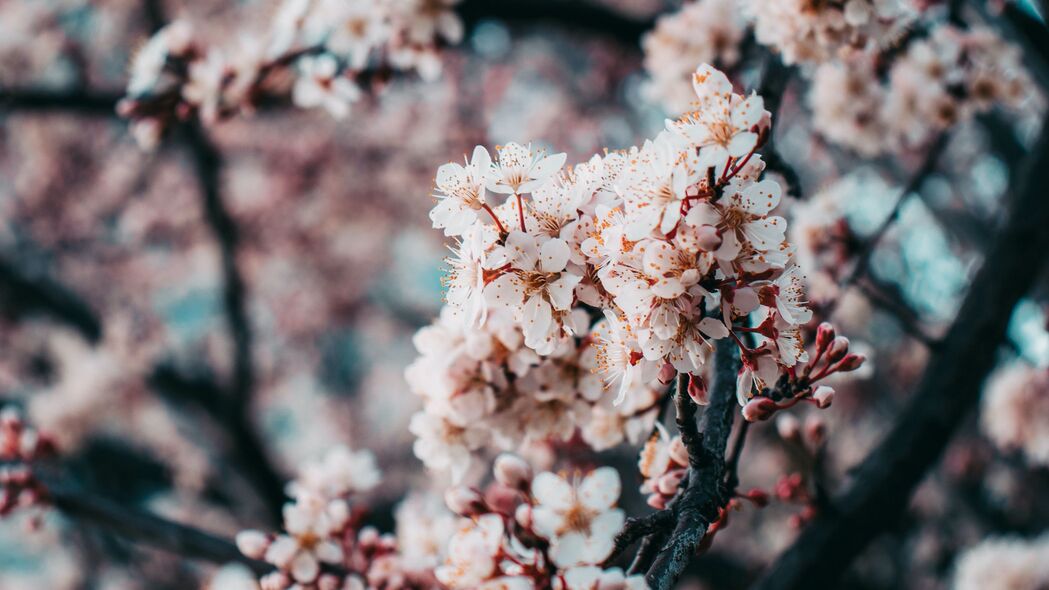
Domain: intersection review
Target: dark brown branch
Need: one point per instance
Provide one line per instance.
(949, 389)
(642, 526)
(888, 298)
(181, 540)
(24, 291)
(103, 103)
(705, 495)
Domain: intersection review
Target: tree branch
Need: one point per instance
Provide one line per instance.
(26, 291)
(181, 540)
(699, 503)
(949, 388)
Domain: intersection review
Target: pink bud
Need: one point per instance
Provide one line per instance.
(708, 238)
(464, 501)
(669, 482)
(788, 427)
(815, 430)
(697, 390)
(823, 396)
(512, 471)
(657, 501)
(838, 349)
(678, 452)
(327, 582)
(252, 544)
(758, 496)
(667, 373)
(523, 516)
(852, 362)
(824, 335)
(759, 408)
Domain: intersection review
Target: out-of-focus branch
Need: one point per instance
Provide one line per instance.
(774, 81)
(84, 102)
(24, 291)
(888, 298)
(949, 388)
(143, 527)
(572, 15)
(705, 495)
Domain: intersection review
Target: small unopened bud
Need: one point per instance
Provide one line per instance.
(709, 240)
(678, 452)
(759, 408)
(512, 471)
(523, 516)
(464, 501)
(788, 427)
(823, 396)
(852, 362)
(657, 501)
(838, 349)
(274, 581)
(815, 431)
(327, 582)
(667, 373)
(758, 496)
(668, 484)
(825, 334)
(252, 544)
(697, 390)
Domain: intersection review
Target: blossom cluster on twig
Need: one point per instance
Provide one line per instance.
(321, 49)
(668, 246)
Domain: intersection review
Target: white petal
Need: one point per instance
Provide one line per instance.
(765, 234)
(600, 489)
(505, 291)
(304, 568)
(552, 491)
(741, 144)
(713, 328)
(553, 256)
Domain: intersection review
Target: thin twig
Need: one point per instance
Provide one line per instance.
(24, 290)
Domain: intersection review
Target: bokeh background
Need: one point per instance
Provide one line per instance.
(341, 267)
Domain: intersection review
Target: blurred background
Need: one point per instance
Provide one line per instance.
(116, 322)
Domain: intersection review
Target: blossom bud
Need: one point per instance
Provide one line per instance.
(697, 390)
(838, 349)
(523, 516)
(667, 373)
(327, 582)
(815, 430)
(512, 471)
(252, 544)
(464, 501)
(825, 334)
(759, 408)
(709, 240)
(657, 501)
(823, 396)
(678, 452)
(758, 496)
(669, 482)
(274, 581)
(852, 362)
(788, 427)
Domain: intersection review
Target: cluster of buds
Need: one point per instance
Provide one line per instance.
(20, 446)
(546, 531)
(322, 49)
(663, 463)
(831, 356)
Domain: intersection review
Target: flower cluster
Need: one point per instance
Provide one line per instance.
(808, 31)
(941, 80)
(20, 446)
(663, 463)
(1014, 411)
(669, 245)
(321, 48)
(705, 31)
(779, 391)
(322, 544)
(1006, 562)
(550, 531)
